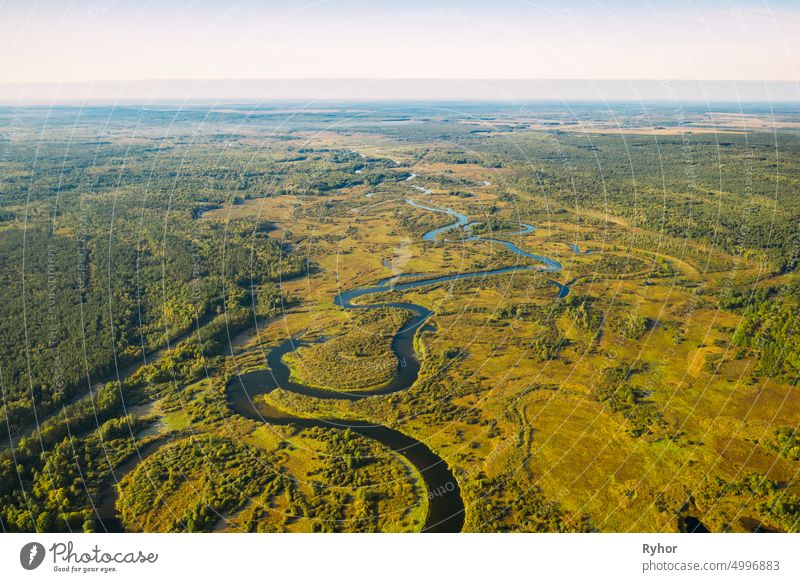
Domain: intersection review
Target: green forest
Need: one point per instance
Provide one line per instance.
(138, 246)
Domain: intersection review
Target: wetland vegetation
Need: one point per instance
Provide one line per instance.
(386, 317)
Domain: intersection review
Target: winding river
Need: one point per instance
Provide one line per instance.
(445, 506)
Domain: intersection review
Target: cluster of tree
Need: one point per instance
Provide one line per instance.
(583, 311)
(110, 266)
(91, 422)
(60, 486)
(773, 502)
(739, 298)
(771, 328)
(631, 325)
(785, 441)
(347, 452)
(546, 345)
(360, 357)
(614, 263)
(88, 307)
(509, 503)
(221, 474)
(728, 198)
(493, 225)
(615, 390)
(352, 462)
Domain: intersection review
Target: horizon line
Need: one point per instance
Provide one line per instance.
(438, 78)
(323, 89)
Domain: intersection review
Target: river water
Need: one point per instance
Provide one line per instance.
(445, 504)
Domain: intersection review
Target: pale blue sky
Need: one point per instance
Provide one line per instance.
(91, 40)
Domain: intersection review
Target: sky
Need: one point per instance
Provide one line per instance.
(87, 41)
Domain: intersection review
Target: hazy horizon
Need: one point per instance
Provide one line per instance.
(96, 41)
(326, 90)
